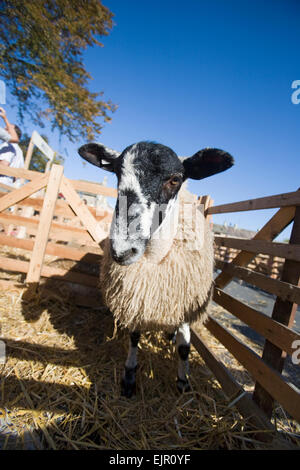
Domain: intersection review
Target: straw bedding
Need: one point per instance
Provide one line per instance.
(60, 386)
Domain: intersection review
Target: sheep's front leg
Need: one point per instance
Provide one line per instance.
(128, 380)
(183, 340)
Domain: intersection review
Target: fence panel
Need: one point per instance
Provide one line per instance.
(277, 330)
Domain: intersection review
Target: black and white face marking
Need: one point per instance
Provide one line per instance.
(149, 178)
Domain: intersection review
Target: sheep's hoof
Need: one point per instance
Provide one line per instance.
(128, 383)
(183, 386)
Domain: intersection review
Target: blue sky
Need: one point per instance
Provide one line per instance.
(200, 74)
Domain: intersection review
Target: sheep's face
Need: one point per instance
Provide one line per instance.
(149, 178)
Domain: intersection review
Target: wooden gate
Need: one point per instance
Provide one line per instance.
(64, 226)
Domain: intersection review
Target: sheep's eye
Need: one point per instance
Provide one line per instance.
(175, 180)
(172, 184)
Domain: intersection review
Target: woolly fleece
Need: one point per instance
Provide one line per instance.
(160, 293)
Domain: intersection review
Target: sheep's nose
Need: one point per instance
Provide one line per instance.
(124, 256)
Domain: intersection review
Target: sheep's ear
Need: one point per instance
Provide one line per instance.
(207, 162)
(99, 155)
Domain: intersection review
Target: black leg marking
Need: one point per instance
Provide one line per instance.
(171, 337)
(134, 338)
(128, 384)
(184, 351)
(183, 385)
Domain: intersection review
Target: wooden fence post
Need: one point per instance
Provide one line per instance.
(38, 253)
(29, 154)
(207, 202)
(283, 312)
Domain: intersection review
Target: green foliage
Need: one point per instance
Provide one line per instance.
(41, 46)
(38, 161)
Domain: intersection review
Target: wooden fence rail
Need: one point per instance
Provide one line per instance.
(69, 229)
(283, 250)
(271, 266)
(270, 202)
(284, 290)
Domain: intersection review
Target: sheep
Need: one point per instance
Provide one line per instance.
(157, 267)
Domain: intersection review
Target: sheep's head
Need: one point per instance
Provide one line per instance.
(149, 178)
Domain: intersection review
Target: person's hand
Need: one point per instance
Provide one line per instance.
(9, 127)
(2, 112)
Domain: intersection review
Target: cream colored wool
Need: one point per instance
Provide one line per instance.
(160, 293)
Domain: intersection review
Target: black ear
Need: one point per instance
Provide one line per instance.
(207, 162)
(99, 155)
